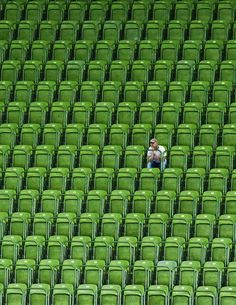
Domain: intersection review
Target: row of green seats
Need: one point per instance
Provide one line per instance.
(119, 10)
(89, 294)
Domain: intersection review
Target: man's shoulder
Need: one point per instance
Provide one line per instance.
(161, 148)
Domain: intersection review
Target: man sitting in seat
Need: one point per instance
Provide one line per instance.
(156, 155)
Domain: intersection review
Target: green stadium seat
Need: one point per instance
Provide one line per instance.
(170, 114)
(87, 294)
(230, 50)
(119, 200)
(134, 294)
(119, 135)
(199, 92)
(80, 179)
(55, 11)
(10, 70)
(46, 91)
(112, 29)
(81, 113)
(204, 11)
(226, 295)
(188, 202)
(90, 30)
(126, 179)
(71, 272)
(220, 30)
(40, 50)
(57, 179)
(5, 271)
(61, 50)
(4, 156)
(53, 70)
(221, 250)
(34, 12)
(48, 271)
(13, 178)
(19, 224)
(197, 249)
(97, 70)
(207, 70)
(229, 207)
(48, 30)
(161, 11)
(142, 272)
(147, 50)
(181, 225)
(183, 293)
(110, 293)
(204, 226)
(28, 201)
(104, 50)
(169, 50)
(171, 179)
(102, 248)
(119, 70)
(227, 71)
(118, 272)
(34, 247)
(192, 48)
(163, 70)
(96, 201)
(134, 224)
(93, 272)
(16, 112)
(11, 247)
(88, 224)
(133, 157)
(83, 50)
(225, 11)
(183, 11)
(69, 28)
(154, 30)
(50, 201)
(222, 91)
(213, 50)
(157, 225)
(192, 113)
(13, 11)
(206, 294)
(18, 50)
(212, 273)
(97, 11)
(76, 11)
(165, 202)
(16, 293)
(174, 249)
(65, 224)
(211, 202)
(7, 30)
(63, 293)
(189, 273)
(176, 30)
(88, 156)
(80, 248)
(8, 199)
(157, 294)
(166, 273)
(231, 274)
(24, 271)
(218, 179)
(42, 224)
(226, 226)
(132, 32)
(21, 156)
(208, 135)
(96, 134)
(179, 157)
(5, 90)
(24, 91)
(75, 71)
(215, 113)
(89, 91)
(52, 134)
(56, 248)
(126, 248)
(110, 225)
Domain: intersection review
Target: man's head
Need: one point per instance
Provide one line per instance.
(154, 143)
